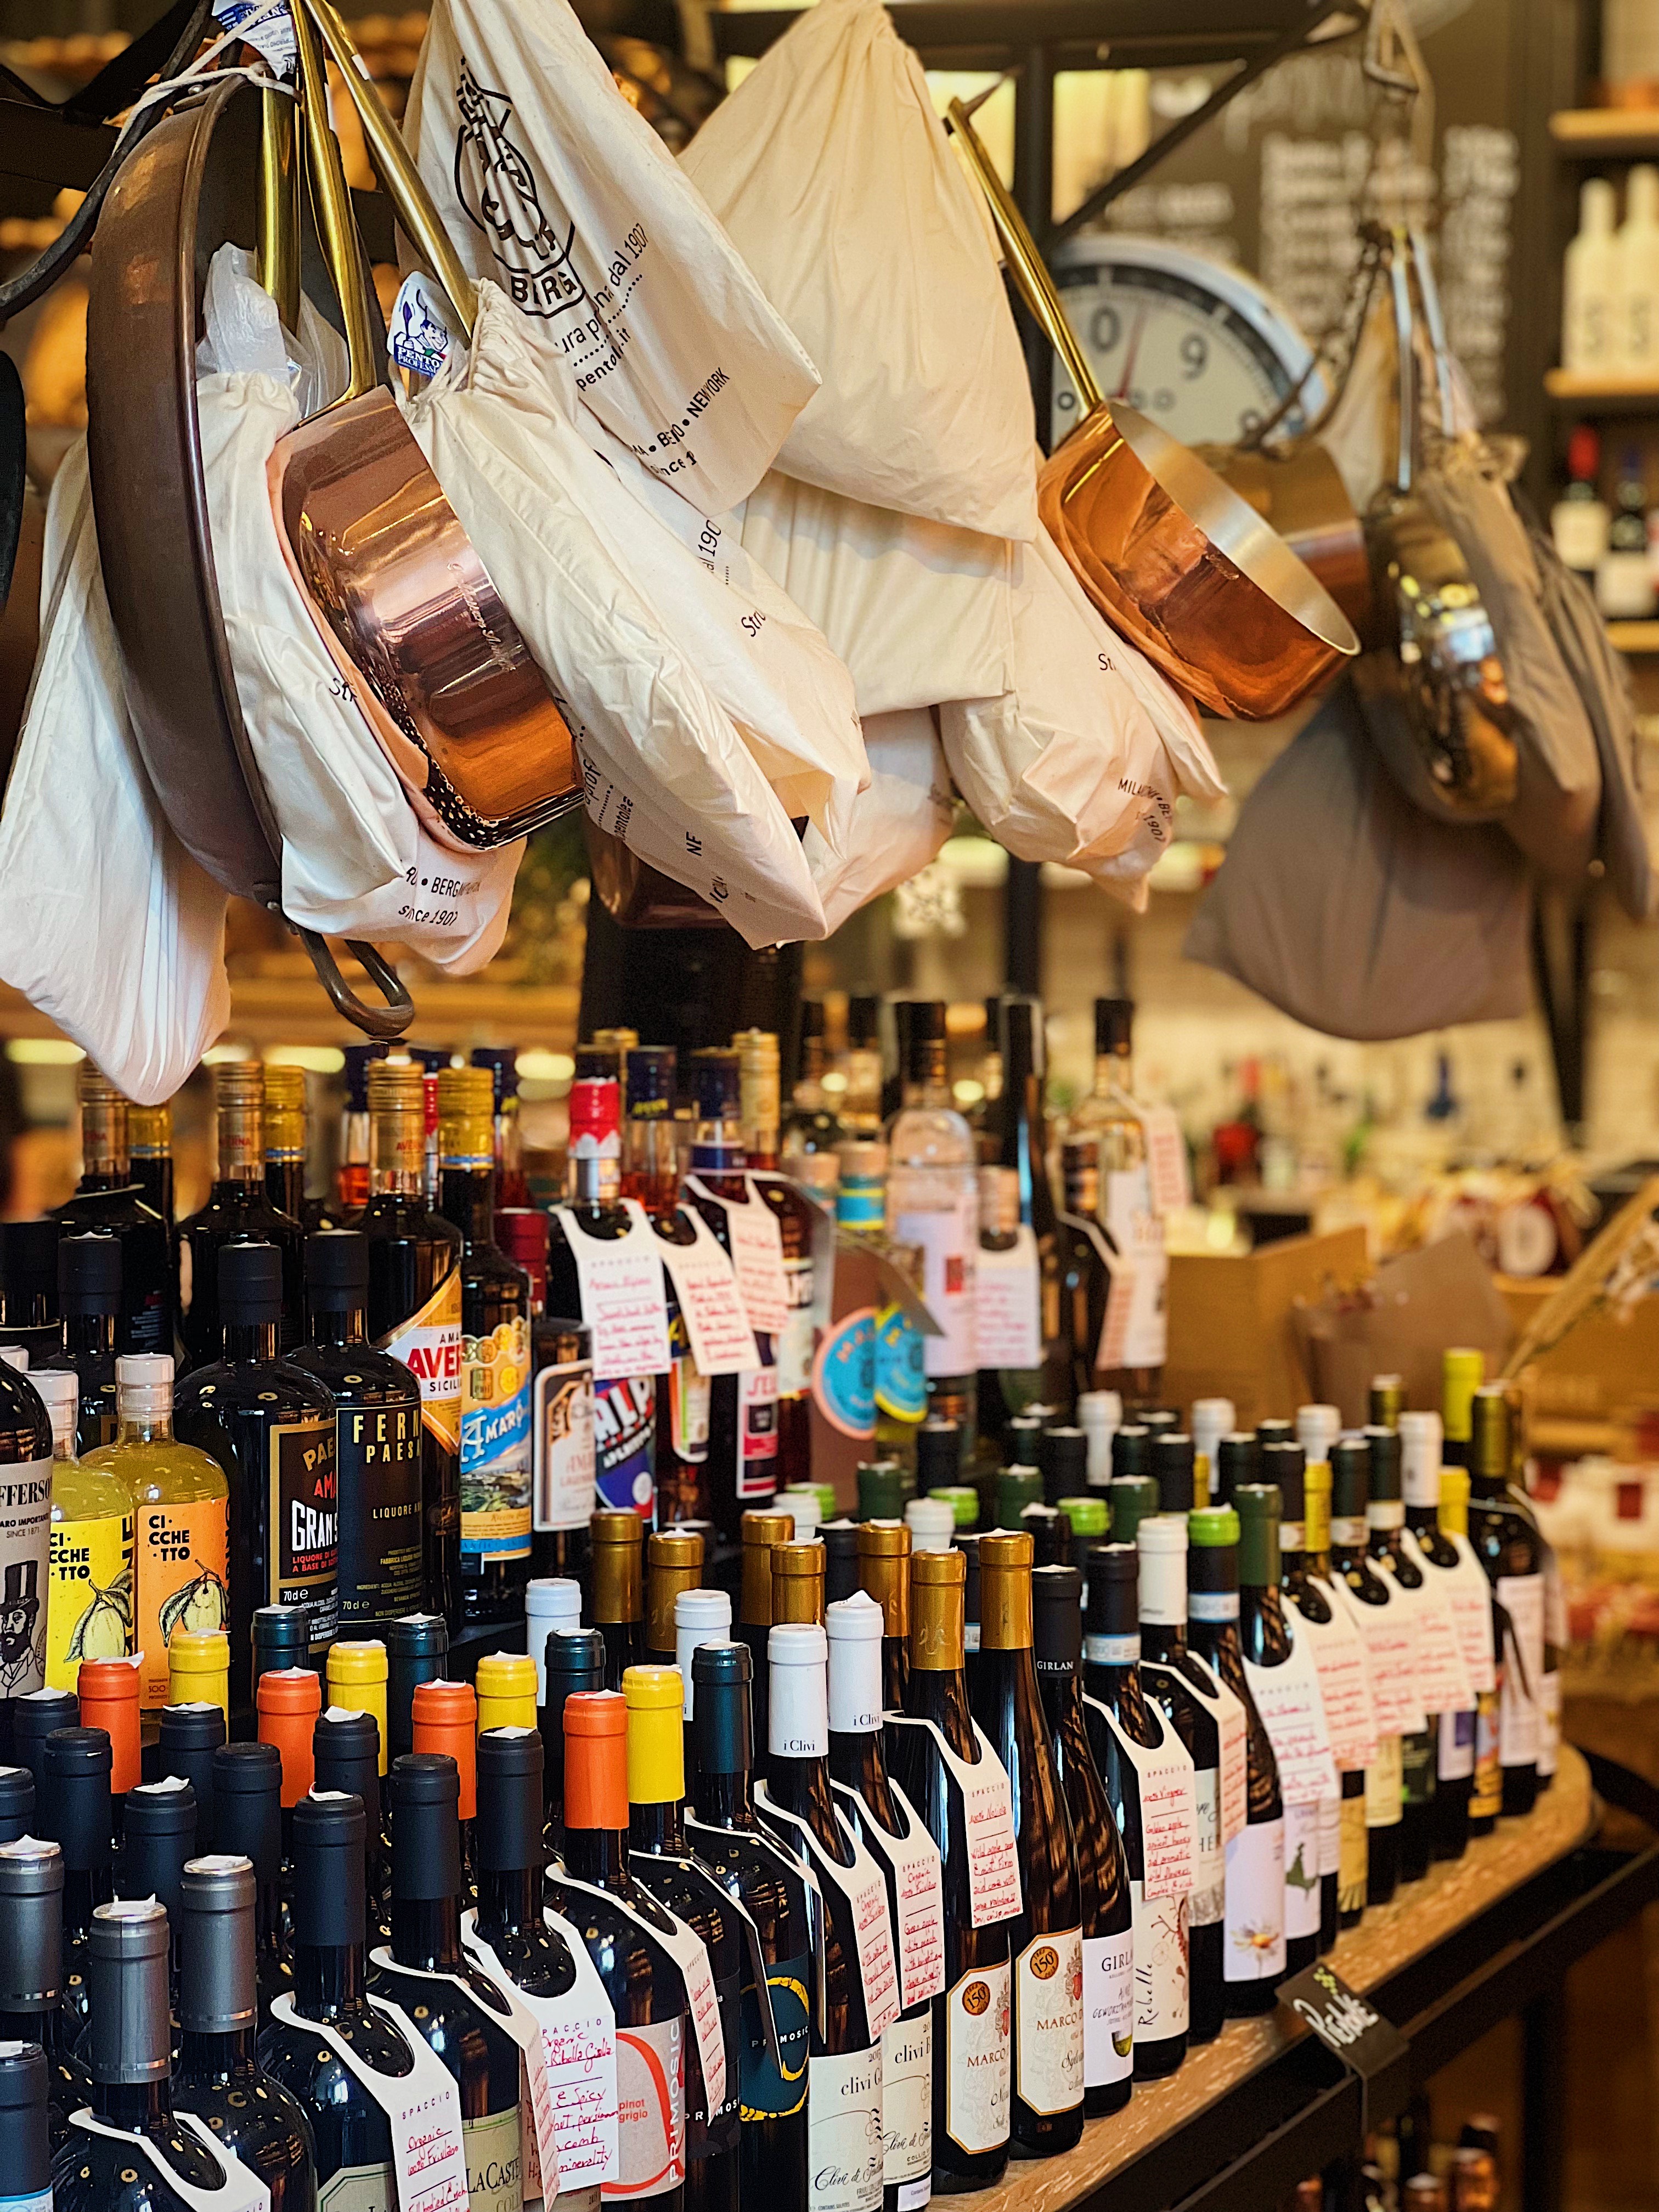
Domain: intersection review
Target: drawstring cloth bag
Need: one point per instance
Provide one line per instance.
(550, 183)
(898, 825)
(106, 924)
(832, 172)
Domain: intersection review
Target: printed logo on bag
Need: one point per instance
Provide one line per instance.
(418, 337)
(496, 185)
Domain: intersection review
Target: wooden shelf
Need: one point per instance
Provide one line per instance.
(1591, 134)
(1608, 395)
(1634, 636)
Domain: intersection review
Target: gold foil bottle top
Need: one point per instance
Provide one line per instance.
(673, 1563)
(937, 1590)
(1005, 1591)
(617, 1540)
(1461, 1371)
(285, 1110)
(1454, 1501)
(1317, 1506)
(397, 1123)
(466, 1116)
(760, 1096)
(885, 1571)
(149, 1131)
(798, 1583)
(239, 1103)
(1489, 1432)
(104, 1124)
(761, 1531)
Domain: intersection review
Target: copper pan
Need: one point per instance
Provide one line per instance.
(1188, 570)
(1299, 493)
(399, 596)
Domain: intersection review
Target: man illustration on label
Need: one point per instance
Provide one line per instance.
(22, 1629)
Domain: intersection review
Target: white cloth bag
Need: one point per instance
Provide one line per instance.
(549, 182)
(918, 611)
(1082, 760)
(899, 823)
(666, 768)
(106, 924)
(833, 173)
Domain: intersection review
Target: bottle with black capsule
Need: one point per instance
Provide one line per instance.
(188, 1738)
(31, 1972)
(840, 1539)
(219, 2077)
(416, 1651)
(1305, 1492)
(1385, 1521)
(1237, 1459)
(616, 1607)
(1118, 1716)
(345, 1753)
(247, 1823)
(34, 1717)
(884, 1553)
(89, 1297)
(160, 1835)
(26, 2142)
(1509, 1548)
(1351, 1475)
(1063, 1458)
(74, 1812)
(508, 1927)
(279, 1637)
(17, 1803)
(1050, 1532)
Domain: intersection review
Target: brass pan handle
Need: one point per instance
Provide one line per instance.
(400, 1007)
(278, 267)
(1030, 271)
(330, 203)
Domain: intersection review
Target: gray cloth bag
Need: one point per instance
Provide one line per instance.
(1349, 910)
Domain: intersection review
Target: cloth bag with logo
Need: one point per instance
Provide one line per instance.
(898, 825)
(833, 173)
(549, 182)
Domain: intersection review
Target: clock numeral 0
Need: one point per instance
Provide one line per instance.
(1104, 330)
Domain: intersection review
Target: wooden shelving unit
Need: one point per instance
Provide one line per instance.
(1599, 134)
(1607, 394)
(1634, 637)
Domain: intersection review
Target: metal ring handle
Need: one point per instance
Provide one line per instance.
(400, 1007)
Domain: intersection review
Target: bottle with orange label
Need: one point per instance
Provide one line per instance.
(180, 1506)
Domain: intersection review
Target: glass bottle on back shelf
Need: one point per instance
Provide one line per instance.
(1111, 1117)
(1509, 1548)
(810, 1126)
(238, 1207)
(1024, 1149)
(933, 1204)
(149, 1153)
(287, 1126)
(1265, 1639)
(859, 1107)
(503, 1061)
(798, 1219)
(561, 1454)
(351, 1166)
(89, 1299)
(107, 1198)
(651, 1174)
(494, 1361)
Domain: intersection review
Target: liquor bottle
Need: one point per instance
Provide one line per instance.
(494, 1361)
(797, 1220)
(1113, 1685)
(673, 1563)
(1264, 1636)
(446, 1717)
(651, 1174)
(32, 1326)
(1437, 1508)
(973, 2083)
(378, 1420)
(26, 1450)
(1046, 1940)
(810, 1125)
(508, 1929)
(286, 1123)
(885, 1573)
(74, 1812)
(238, 1209)
(351, 1170)
(900, 1380)
(219, 2077)
(1014, 1293)
(1624, 574)
(32, 1972)
(728, 1839)
(843, 2100)
(1237, 1459)
(1385, 1518)
(89, 1579)
(1349, 1466)
(1112, 1120)
(415, 1308)
(271, 1426)
(591, 1889)
(1304, 1493)
(563, 1458)
(753, 1625)
(426, 1972)
(130, 2147)
(574, 1661)
(345, 1756)
(617, 1604)
(861, 1100)
(417, 1650)
(1023, 1147)
(89, 1299)
(1086, 1281)
(933, 1204)
(1579, 518)
(328, 2006)
(660, 1860)
(1509, 1548)
(178, 1499)
(503, 1062)
(105, 1198)
(150, 1155)
(188, 1738)
(1188, 1697)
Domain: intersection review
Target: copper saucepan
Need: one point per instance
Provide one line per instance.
(1188, 570)
(399, 596)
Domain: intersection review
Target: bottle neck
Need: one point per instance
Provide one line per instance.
(926, 1082)
(105, 1158)
(723, 1800)
(1115, 1075)
(133, 2106)
(509, 1901)
(41, 2024)
(340, 1330)
(89, 1336)
(208, 2056)
(152, 1426)
(466, 1196)
(251, 1342)
(801, 1786)
(1161, 1641)
(85, 1889)
(396, 1153)
(328, 1980)
(656, 1828)
(597, 1854)
(856, 1761)
(593, 1179)
(426, 1932)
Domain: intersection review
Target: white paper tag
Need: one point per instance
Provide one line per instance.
(993, 1890)
(1008, 1304)
(1293, 1713)
(578, 2040)
(1442, 1676)
(1522, 1598)
(273, 37)
(423, 2108)
(1168, 1808)
(418, 337)
(622, 1291)
(1344, 1684)
(756, 1256)
(1136, 1230)
(790, 1865)
(1389, 1656)
(1227, 1710)
(722, 1342)
(1470, 1595)
(864, 1886)
(686, 1948)
(1411, 1607)
(1167, 1174)
(917, 1887)
(242, 2192)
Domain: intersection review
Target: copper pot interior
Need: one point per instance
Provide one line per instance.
(1300, 494)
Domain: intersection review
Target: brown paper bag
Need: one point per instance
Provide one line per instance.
(1400, 1323)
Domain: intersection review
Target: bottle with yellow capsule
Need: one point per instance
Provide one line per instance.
(506, 1689)
(357, 1672)
(198, 1669)
(89, 1602)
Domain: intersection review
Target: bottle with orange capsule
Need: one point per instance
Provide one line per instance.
(289, 1701)
(108, 1691)
(446, 1720)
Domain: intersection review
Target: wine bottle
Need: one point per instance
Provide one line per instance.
(89, 1299)
(797, 1583)
(885, 1575)
(590, 1886)
(17, 1803)
(186, 1739)
(1102, 1867)
(107, 1198)
(1305, 1492)
(34, 1717)
(1385, 1519)
(345, 1758)
(701, 1616)
(574, 1661)
(1264, 1636)
(1046, 1940)
(1509, 1548)
(1454, 1762)
(75, 1813)
(1023, 1149)
(26, 2138)
(417, 1650)
(239, 1209)
(753, 1625)
(358, 1680)
(1353, 1846)
(673, 1563)
(973, 2083)
(426, 1971)
(378, 1422)
(933, 1204)
(893, 1834)
(534, 1956)
(247, 1822)
(446, 1717)
(617, 1607)
(31, 1972)
(280, 1638)
(1486, 1780)
(550, 1601)
(563, 1449)
(660, 1860)
(219, 2076)
(760, 1112)
(1349, 1464)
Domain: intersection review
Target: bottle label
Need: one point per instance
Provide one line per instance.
(89, 1603)
(358, 2189)
(1549, 1723)
(423, 2107)
(623, 1301)
(563, 1463)
(915, 1890)
(1522, 1598)
(901, 1366)
(624, 1437)
(1209, 1863)
(1417, 1755)
(181, 1574)
(756, 1473)
(1301, 1869)
(495, 1442)
(303, 1495)
(1254, 1939)
(844, 1374)
(794, 1343)
(987, 1809)
(378, 1452)
(1456, 1749)
(1162, 1937)
(1048, 2022)
(1330, 1836)
(844, 2151)
(948, 1239)
(1108, 2008)
(25, 1539)
(1169, 1815)
(979, 2059)
(578, 2032)
(1293, 1713)
(705, 1289)
(495, 2163)
(650, 2110)
(1353, 1857)
(429, 1345)
(1007, 1305)
(1344, 1684)
(240, 2188)
(1487, 1798)
(1137, 1233)
(773, 2089)
(1385, 1785)
(689, 1393)
(907, 2108)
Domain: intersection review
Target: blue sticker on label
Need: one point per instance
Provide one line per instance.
(844, 1374)
(901, 1366)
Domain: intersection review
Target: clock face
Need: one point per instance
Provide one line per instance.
(1198, 346)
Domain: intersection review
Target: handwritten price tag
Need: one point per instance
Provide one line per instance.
(1007, 1296)
(757, 1243)
(422, 2108)
(1168, 1809)
(863, 1887)
(1166, 1159)
(1442, 1679)
(1233, 1723)
(1344, 1685)
(722, 1342)
(622, 1300)
(1391, 1658)
(1470, 1595)
(575, 2102)
(1293, 1713)
(685, 1947)
(993, 1888)
(915, 1890)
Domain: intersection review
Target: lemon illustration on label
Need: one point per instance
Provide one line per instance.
(105, 1628)
(198, 1607)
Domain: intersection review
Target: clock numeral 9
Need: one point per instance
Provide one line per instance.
(1194, 355)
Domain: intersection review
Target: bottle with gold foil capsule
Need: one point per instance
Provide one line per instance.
(107, 1198)
(1508, 1546)
(933, 1206)
(494, 1361)
(1349, 1464)
(89, 1595)
(287, 1126)
(885, 1573)
(1487, 1773)
(1304, 1543)
(617, 1607)
(415, 1308)
(797, 1577)
(377, 1413)
(1462, 1370)
(179, 1500)
(753, 1624)
(673, 1563)
(149, 1153)
(1432, 1545)
(797, 1220)
(89, 1299)
(238, 1208)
